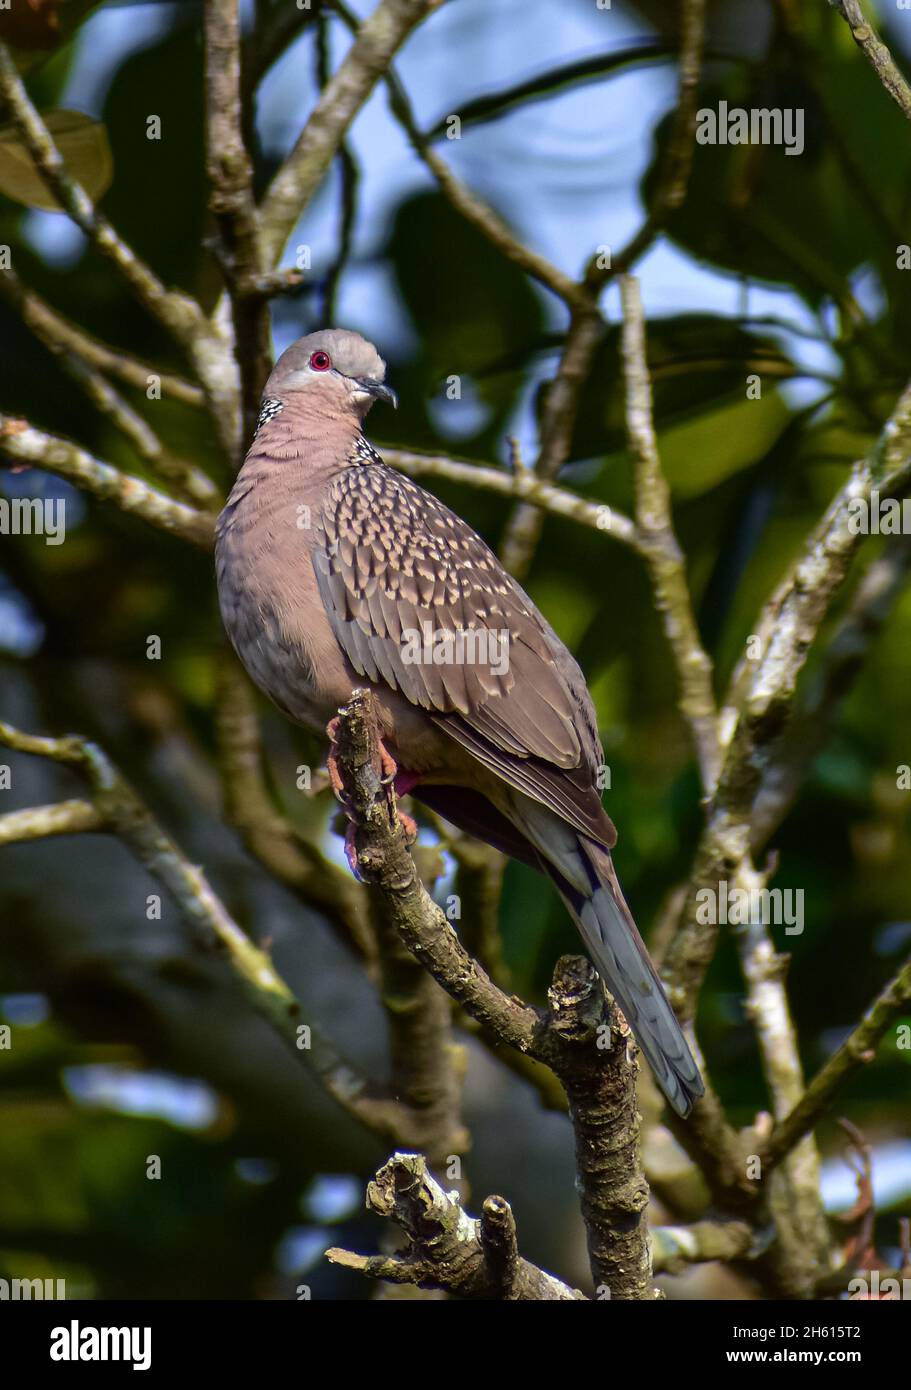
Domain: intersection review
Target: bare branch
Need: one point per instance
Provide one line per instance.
(521, 484)
(290, 857)
(600, 1084)
(230, 172)
(762, 691)
(377, 41)
(55, 332)
(383, 859)
(843, 657)
(856, 1051)
(658, 543)
(446, 1248)
(179, 313)
(558, 419)
(120, 811)
(876, 53)
(40, 822)
(21, 441)
(676, 1247)
(478, 213)
(674, 176)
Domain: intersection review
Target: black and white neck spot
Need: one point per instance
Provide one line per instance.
(270, 407)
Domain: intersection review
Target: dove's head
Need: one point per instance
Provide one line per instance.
(331, 370)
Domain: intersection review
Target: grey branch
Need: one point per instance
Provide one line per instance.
(665, 560)
(26, 445)
(876, 53)
(446, 1248)
(378, 39)
(114, 807)
(178, 312)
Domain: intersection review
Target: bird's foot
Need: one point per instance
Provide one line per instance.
(351, 850)
(397, 782)
(335, 777)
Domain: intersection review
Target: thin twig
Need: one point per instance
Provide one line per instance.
(378, 39)
(876, 53)
(179, 313)
(856, 1052)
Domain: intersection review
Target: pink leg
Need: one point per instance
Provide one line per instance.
(335, 780)
(398, 783)
(351, 850)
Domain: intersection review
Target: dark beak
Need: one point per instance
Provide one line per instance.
(378, 390)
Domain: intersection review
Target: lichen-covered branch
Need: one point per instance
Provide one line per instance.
(23, 443)
(522, 484)
(292, 858)
(876, 53)
(58, 332)
(657, 540)
(674, 1248)
(587, 1046)
(178, 312)
(231, 202)
(599, 1070)
(114, 807)
(856, 1052)
(674, 175)
(446, 1248)
(761, 692)
(558, 419)
(384, 860)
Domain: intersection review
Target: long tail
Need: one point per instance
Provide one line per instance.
(584, 875)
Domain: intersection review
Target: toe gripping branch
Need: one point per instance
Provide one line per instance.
(365, 777)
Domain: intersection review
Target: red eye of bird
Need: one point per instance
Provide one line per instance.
(320, 361)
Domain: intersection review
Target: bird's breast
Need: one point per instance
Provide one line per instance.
(271, 608)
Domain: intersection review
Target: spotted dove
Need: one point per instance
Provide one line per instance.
(335, 571)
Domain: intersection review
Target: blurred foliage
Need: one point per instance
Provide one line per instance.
(749, 478)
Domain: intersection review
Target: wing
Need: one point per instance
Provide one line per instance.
(399, 572)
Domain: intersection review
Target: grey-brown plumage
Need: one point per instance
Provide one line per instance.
(335, 571)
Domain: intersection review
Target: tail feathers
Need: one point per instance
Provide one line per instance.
(622, 961)
(584, 875)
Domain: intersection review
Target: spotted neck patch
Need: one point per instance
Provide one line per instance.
(270, 407)
(364, 452)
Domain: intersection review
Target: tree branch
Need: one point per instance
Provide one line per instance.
(523, 484)
(856, 1051)
(118, 810)
(658, 542)
(876, 53)
(378, 39)
(21, 441)
(446, 1248)
(178, 312)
